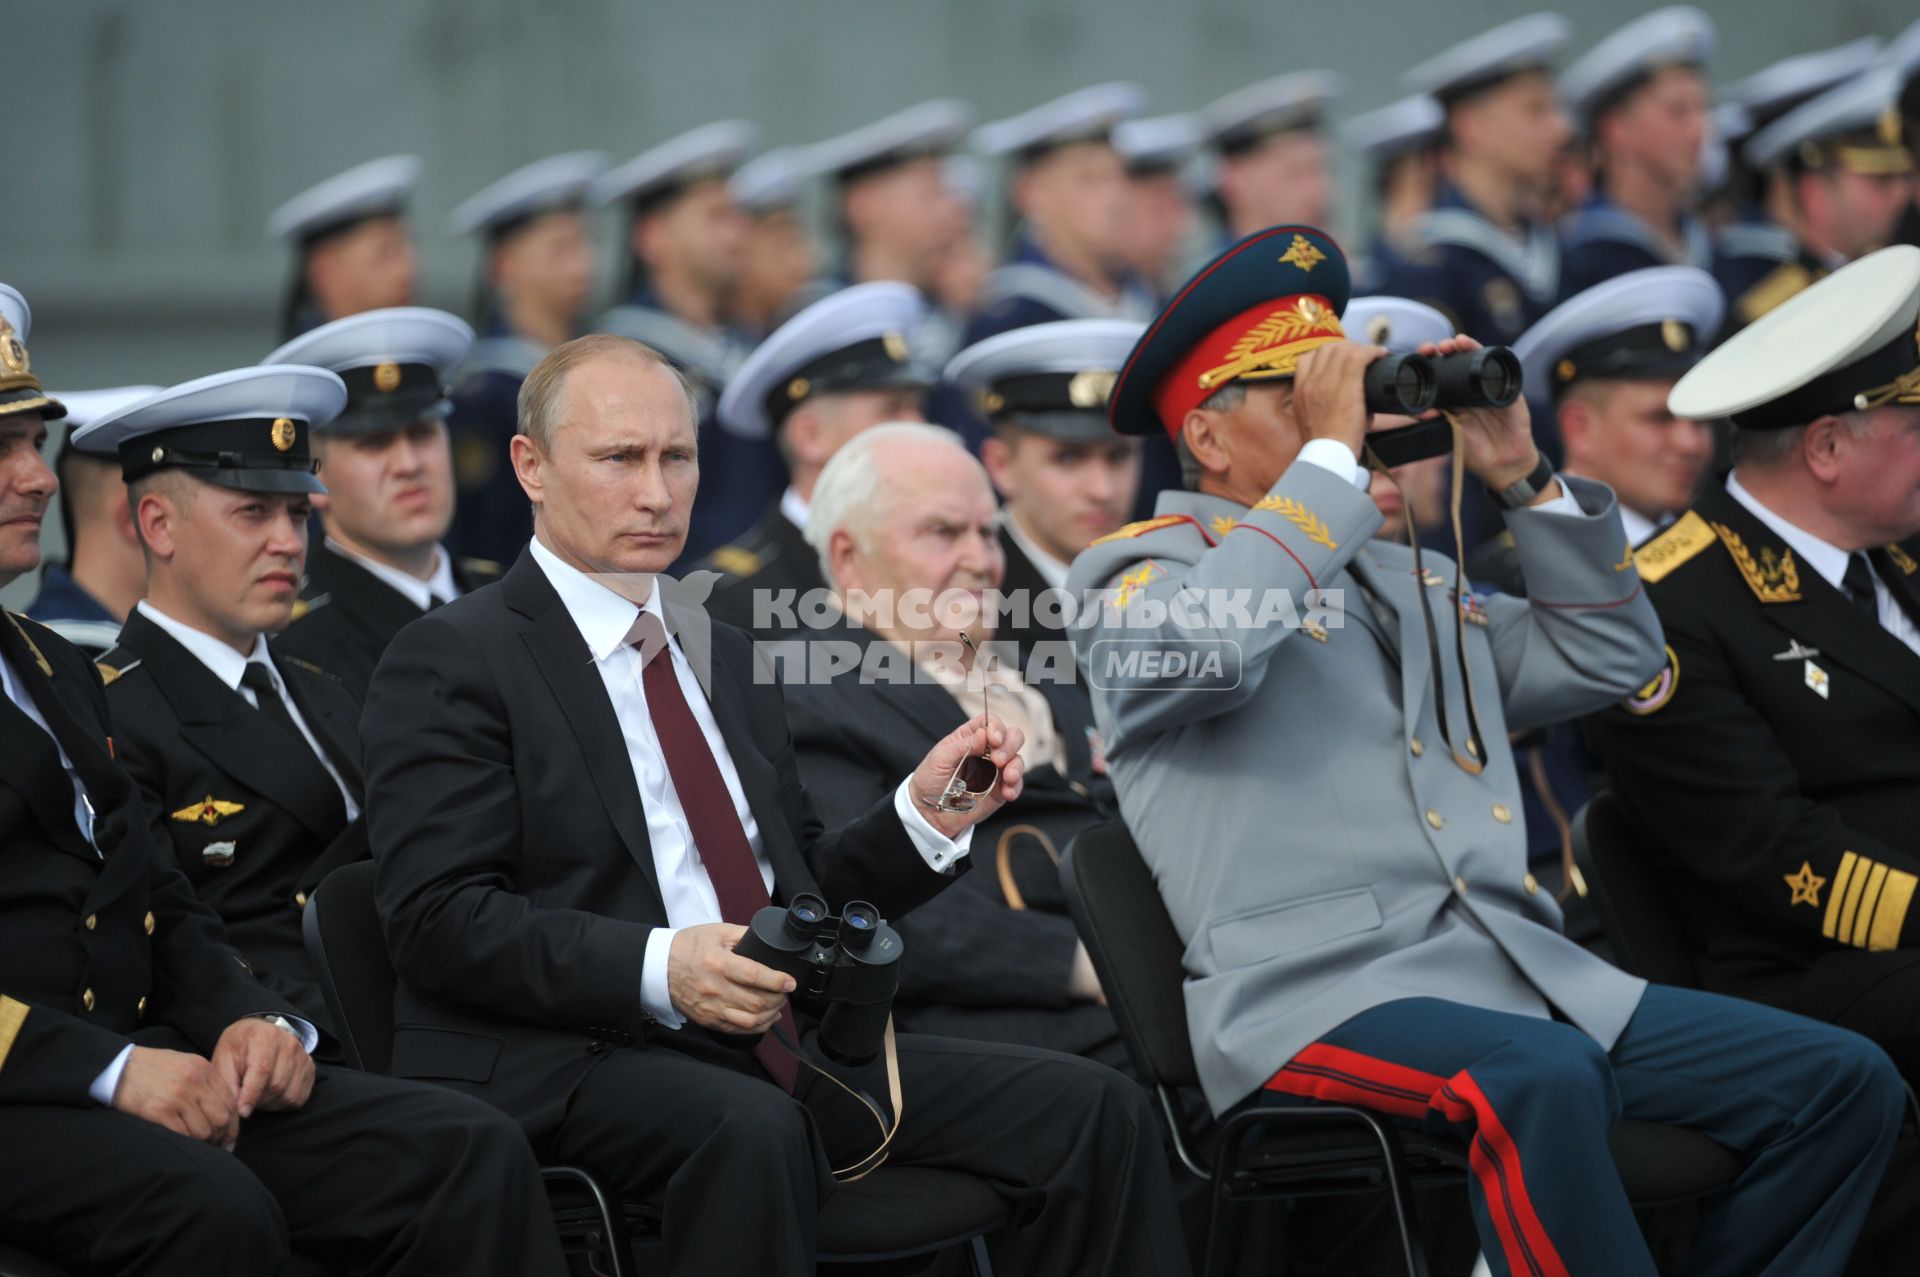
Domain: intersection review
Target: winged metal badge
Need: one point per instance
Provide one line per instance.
(208, 811)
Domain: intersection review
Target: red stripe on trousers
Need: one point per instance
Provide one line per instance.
(1494, 1142)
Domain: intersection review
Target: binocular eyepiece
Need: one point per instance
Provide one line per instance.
(1408, 385)
(845, 969)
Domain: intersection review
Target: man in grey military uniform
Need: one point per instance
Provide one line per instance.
(1328, 809)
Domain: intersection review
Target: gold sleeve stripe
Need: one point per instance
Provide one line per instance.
(1856, 886)
(12, 1016)
(1875, 881)
(1839, 892)
(1890, 916)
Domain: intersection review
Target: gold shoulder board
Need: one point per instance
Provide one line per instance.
(1770, 292)
(1689, 535)
(1141, 528)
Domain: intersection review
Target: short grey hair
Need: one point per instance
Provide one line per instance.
(1765, 449)
(848, 493)
(1226, 399)
(538, 408)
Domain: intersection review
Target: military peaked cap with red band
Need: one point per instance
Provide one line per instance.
(1248, 315)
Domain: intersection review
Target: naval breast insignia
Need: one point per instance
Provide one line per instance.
(217, 855)
(208, 811)
(1806, 886)
(1796, 651)
(1819, 681)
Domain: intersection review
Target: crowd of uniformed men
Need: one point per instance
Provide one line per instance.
(442, 595)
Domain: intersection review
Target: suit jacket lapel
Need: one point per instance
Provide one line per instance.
(1821, 616)
(561, 655)
(234, 736)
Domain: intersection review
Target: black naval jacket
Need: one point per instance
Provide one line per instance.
(1777, 757)
(239, 805)
(772, 555)
(346, 616)
(517, 882)
(987, 960)
(1020, 577)
(97, 949)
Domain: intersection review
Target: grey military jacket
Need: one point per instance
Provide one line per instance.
(1318, 846)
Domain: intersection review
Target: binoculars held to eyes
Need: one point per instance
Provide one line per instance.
(1409, 385)
(846, 969)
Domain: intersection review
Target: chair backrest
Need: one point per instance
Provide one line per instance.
(349, 954)
(1618, 856)
(1117, 908)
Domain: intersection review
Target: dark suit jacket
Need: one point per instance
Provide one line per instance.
(771, 555)
(186, 737)
(1020, 577)
(346, 615)
(96, 948)
(975, 966)
(1776, 806)
(516, 880)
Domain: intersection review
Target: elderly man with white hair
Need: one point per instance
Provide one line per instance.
(905, 524)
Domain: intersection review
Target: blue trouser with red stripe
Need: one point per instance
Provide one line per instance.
(1812, 1109)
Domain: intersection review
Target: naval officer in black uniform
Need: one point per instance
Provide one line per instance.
(173, 1122)
(248, 761)
(386, 464)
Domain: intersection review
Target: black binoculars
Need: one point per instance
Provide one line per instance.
(1408, 385)
(845, 969)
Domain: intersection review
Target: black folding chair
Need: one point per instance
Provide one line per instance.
(1619, 858)
(1322, 1150)
(893, 1217)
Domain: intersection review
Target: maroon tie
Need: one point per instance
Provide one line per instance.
(718, 836)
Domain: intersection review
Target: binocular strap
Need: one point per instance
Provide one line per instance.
(875, 1159)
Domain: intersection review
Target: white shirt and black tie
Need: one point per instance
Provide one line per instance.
(426, 595)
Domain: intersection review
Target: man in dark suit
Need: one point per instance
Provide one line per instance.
(387, 469)
(1066, 479)
(573, 814)
(1776, 758)
(162, 1113)
(838, 367)
(248, 760)
(996, 957)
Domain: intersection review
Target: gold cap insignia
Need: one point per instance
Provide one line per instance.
(896, 345)
(283, 434)
(991, 401)
(1379, 330)
(386, 378)
(797, 389)
(1674, 333)
(1090, 389)
(1303, 254)
(13, 352)
(1564, 370)
(159, 455)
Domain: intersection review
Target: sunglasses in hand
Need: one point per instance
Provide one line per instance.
(977, 774)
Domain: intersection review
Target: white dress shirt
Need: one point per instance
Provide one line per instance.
(1051, 570)
(795, 507)
(1830, 561)
(228, 665)
(107, 1081)
(605, 619)
(420, 593)
(1639, 527)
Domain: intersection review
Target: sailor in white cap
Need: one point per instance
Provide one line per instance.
(841, 366)
(352, 247)
(1273, 165)
(27, 485)
(1838, 176)
(684, 241)
(1401, 141)
(1903, 57)
(86, 599)
(390, 500)
(1160, 155)
(1641, 98)
(1411, 498)
(1067, 187)
(536, 273)
(1752, 245)
(888, 196)
(1774, 763)
(1482, 254)
(1064, 476)
(779, 258)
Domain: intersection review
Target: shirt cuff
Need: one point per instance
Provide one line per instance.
(109, 1080)
(1565, 503)
(1331, 454)
(309, 1036)
(654, 998)
(940, 852)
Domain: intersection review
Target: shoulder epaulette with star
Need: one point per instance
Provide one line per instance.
(1143, 527)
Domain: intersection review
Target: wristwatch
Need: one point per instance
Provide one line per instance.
(282, 1023)
(1516, 495)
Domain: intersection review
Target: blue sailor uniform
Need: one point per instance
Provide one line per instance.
(1760, 264)
(491, 517)
(1601, 240)
(1493, 285)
